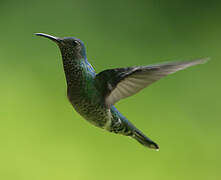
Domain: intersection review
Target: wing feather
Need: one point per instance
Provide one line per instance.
(124, 82)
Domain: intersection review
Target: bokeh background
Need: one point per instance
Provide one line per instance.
(43, 138)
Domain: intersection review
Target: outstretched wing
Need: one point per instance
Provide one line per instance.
(116, 84)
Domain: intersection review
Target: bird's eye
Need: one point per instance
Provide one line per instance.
(76, 43)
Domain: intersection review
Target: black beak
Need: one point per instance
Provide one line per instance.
(53, 38)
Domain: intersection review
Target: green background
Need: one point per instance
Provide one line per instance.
(43, 138)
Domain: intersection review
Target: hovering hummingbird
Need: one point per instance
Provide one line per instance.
(93, 95)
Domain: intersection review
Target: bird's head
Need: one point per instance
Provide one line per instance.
(70, 47)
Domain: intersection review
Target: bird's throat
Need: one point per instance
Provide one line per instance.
(73, 71)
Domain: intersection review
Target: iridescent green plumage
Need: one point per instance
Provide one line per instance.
(93, 95)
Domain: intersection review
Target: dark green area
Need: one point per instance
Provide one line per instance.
(43, 138)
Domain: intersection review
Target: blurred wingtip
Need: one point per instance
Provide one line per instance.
(194, 62)
(204, 60)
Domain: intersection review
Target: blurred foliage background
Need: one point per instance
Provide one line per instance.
(43, 138)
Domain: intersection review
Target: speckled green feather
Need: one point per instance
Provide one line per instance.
(93, 95)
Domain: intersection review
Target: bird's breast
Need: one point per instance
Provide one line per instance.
(89, 108)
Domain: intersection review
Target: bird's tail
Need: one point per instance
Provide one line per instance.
(141, 138)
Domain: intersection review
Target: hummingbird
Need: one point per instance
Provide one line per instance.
(93, 95)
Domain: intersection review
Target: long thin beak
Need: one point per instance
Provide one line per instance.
(53, 38)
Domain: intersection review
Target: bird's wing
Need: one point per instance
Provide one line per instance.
(116, 84)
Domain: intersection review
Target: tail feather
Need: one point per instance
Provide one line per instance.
(142, 139)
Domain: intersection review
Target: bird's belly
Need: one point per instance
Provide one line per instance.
(93, 112)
